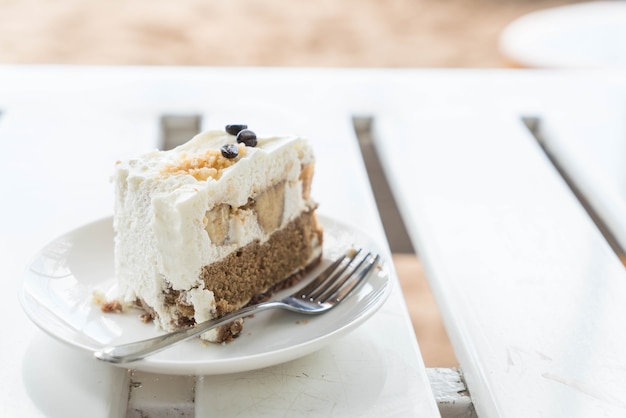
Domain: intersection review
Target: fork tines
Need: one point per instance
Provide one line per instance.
(340, 278)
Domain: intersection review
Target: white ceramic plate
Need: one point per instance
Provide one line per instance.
(59, 285)
(583, 35)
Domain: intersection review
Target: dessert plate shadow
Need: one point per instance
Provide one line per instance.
(63, 286)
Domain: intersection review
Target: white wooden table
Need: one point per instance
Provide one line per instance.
(531, 293)
(62, 129)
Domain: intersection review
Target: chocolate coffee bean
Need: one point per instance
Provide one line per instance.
(229, 150)
(247, 137)
(235, 129)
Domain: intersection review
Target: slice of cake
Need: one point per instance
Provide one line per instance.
(213, 225)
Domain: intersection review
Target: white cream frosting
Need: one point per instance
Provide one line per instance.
(159, 219)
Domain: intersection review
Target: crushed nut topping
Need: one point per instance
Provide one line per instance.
(203, 166)
(112, 306)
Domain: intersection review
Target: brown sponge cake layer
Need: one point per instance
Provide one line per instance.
(257, 268)
(254, 272)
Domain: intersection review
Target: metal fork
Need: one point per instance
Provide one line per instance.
(323, 293)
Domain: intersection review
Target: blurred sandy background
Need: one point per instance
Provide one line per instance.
(347, 33)
(361, 33)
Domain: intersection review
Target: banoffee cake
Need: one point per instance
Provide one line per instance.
(215, 224)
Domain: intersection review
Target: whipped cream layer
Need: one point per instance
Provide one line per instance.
(179, 210)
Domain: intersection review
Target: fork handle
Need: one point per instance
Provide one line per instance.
(126, 353)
